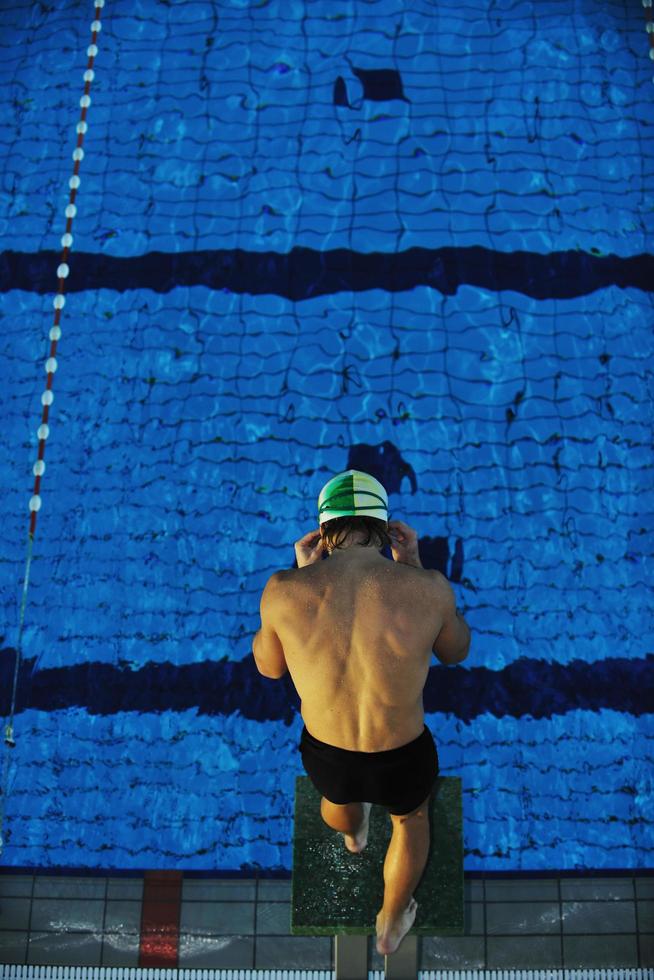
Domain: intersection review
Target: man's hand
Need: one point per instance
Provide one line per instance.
(309, 549)
(404, 543)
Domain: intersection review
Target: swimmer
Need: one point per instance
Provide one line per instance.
(357, 632)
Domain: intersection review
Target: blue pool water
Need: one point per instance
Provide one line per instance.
(414, 239)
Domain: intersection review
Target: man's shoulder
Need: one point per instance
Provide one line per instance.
(274, 586)
(279, 582)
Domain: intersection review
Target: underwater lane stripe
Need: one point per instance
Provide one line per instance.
(305, 273)
(160, 914)
(527, 687)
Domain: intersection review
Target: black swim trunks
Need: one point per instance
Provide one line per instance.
(398, 779)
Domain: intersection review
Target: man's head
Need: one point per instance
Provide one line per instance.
(341, 532)
(353, 505)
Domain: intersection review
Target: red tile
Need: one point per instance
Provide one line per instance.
(162, 900)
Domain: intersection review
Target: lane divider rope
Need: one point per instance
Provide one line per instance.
(47, 397)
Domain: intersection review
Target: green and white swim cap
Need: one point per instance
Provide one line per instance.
(352, 494)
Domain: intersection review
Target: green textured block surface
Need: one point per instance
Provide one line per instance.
(334, 891)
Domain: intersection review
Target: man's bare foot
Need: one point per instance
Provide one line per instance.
(391, 934)
(357, 842)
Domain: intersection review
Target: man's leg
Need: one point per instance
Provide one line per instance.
(350, 819)
(347, 819)
(404, 865)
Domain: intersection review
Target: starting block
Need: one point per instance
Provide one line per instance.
(337, 893)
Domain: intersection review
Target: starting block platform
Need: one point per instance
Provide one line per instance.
(337, 893)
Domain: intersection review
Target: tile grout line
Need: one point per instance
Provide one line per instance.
(178, 918)
(255, 944)
(560, 902)
(483, 886)
(633, 888)
(104, 920)
(29, 921)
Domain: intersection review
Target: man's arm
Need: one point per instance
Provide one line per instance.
(453, 642)
(266, 646)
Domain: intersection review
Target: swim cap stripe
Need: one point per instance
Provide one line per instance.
(352, 493)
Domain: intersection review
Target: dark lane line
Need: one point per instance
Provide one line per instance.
(304, 273)
(526, 687)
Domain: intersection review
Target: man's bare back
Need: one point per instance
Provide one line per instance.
(358, 633)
